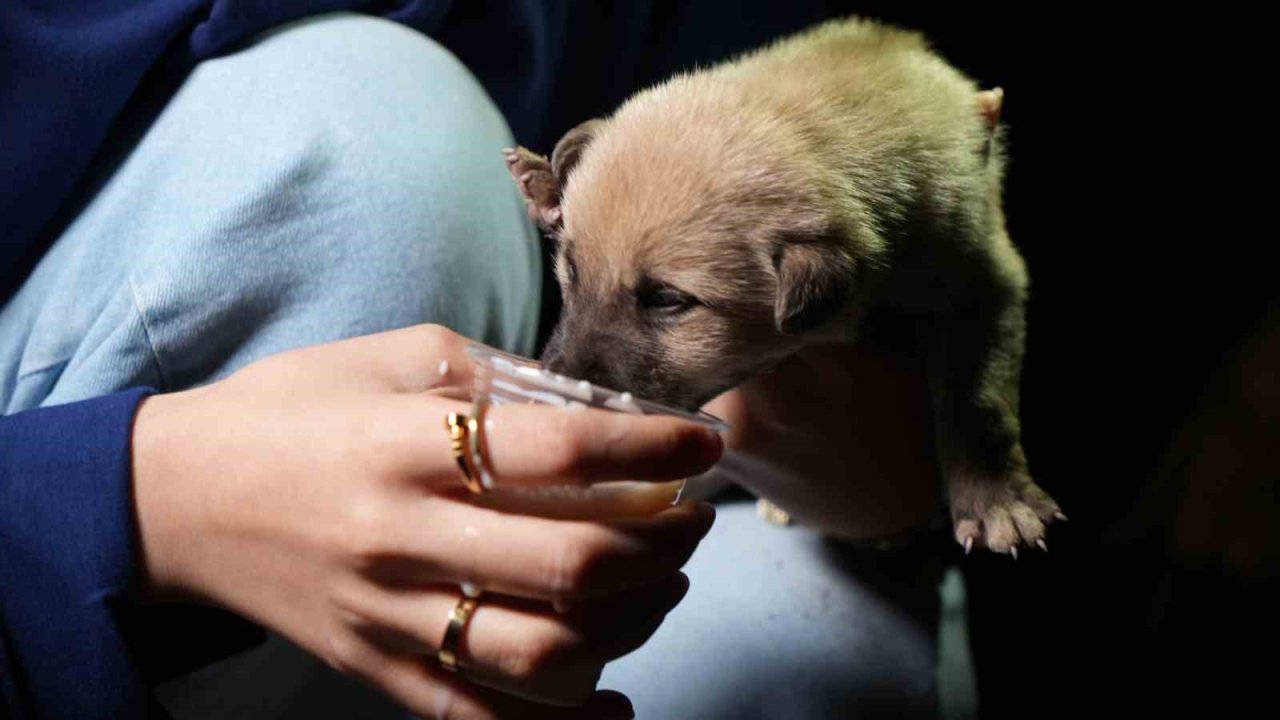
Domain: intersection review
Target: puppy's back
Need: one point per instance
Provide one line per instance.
(878, 104)
(865, 112)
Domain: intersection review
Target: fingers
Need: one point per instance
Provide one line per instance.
(435, 694)
(533, 445)
(537, 445)
(521, 647)
(441, 540)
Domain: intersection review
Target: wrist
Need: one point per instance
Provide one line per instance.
(164, 526)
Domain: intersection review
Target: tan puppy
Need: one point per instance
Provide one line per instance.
(846, 178)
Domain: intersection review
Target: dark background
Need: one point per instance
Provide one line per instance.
(1142, 296)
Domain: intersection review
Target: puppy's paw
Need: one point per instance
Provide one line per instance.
(1004, 515)
(532, 173)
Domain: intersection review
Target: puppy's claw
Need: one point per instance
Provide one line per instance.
(968, 545)
(1058, 514)
(1042, 545)
(1013, 550)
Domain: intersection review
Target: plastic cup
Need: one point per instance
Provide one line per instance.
(505, 379)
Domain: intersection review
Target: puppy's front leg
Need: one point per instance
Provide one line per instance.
(973, 358)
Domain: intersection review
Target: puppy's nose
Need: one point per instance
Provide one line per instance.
(580, 368)
(554, 359)
(578, 357)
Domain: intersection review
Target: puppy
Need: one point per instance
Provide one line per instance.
(844, 179)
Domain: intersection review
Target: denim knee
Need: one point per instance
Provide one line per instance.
(340, 176)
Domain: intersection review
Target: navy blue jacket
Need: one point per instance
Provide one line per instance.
(69, 71)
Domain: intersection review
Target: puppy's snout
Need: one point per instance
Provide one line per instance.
(581, 358)
(581, 366)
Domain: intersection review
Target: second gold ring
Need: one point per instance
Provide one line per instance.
(466, 435)
(458, 619)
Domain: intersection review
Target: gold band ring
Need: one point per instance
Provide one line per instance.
(479, 448)
(464, 436)
(458, 619)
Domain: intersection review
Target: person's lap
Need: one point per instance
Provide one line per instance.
(341, 177)
(780, 624)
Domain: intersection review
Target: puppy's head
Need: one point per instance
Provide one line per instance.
(696, 247)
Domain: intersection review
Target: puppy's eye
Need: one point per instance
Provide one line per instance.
(664, 299)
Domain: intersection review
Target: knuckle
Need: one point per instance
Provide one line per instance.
(439, 337)
(363, 533)
(575, 562)
(347, 598)
(438, 701)
(511, 658)
(447, 706)
(538, 653)
(342, 652)
(382, 448)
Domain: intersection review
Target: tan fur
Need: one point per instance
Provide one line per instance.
(840, 173)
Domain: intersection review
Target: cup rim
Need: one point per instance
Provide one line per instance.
(551, 382)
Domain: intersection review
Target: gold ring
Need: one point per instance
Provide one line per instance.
(458, 619)
(479, 448)
(460, 429)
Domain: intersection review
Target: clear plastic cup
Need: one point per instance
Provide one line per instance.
(505, 379)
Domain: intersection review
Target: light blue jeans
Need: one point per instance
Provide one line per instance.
(339, 177)
(342, 176)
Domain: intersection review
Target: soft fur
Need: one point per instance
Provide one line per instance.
(841, 180)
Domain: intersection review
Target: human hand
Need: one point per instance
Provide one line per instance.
(315, 493)
(839, 437)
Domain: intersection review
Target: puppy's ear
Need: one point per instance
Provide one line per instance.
(814, 281)
(541, 180)
(990, 105)
(570, 148)
(532, 173)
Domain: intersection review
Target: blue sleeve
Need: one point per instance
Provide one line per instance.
(66, 558)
